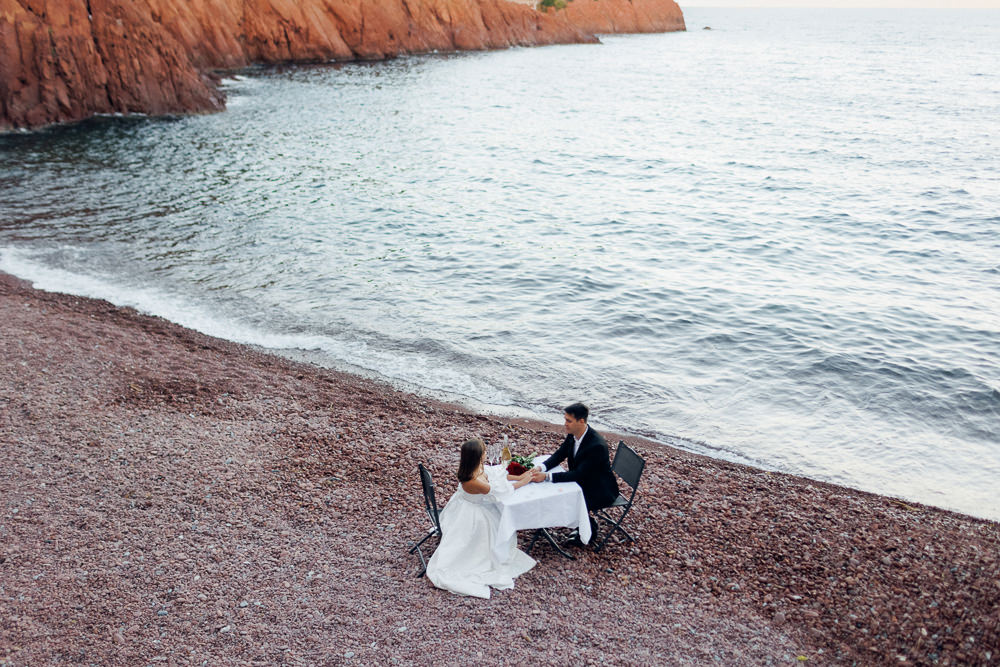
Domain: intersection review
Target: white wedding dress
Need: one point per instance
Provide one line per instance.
(464, 562)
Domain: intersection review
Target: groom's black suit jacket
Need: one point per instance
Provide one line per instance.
(590, 468)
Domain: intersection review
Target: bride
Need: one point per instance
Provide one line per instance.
(464, 562)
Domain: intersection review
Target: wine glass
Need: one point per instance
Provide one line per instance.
(491, 454)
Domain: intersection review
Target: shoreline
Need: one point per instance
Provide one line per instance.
(172, 495)
(324, 360)
(103, 291)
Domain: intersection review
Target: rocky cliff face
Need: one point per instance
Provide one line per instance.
(618, 16)
(65, 60)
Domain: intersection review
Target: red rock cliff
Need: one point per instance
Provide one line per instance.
(615, 16)
(65, 60)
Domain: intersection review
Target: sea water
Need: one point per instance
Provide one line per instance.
(776, 241)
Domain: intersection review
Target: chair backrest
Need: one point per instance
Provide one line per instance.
(430, 502)
(628, 465)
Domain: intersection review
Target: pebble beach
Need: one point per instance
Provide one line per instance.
(171, 498)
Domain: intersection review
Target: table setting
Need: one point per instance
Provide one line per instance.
(538, 506)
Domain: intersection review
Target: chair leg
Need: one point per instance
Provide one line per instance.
(416, 549)
(613, 527)
(601, 543)
(534, 538)
(423, 564)
(416, 546)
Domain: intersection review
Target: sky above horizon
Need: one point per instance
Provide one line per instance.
(893, 4)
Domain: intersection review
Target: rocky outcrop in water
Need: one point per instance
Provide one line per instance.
(618, 16)
(65, 60)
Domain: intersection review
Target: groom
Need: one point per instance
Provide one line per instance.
(587, 455)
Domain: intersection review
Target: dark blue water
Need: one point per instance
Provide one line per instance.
(777, 241)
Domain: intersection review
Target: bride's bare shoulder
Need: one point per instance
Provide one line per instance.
(476, 485)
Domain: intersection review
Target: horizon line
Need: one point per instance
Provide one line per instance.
(791, 4)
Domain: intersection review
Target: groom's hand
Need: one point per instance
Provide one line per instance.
(537, 476)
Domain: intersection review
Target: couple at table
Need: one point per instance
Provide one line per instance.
(464, 562)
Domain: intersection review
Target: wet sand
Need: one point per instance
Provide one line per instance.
(171, 498)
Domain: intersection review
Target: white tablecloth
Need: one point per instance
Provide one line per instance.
(543, 505)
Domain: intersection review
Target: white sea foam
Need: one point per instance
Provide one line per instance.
(416, 371)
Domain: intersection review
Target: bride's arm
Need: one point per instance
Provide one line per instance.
(517, 481)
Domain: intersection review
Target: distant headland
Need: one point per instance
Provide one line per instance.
(67, 60)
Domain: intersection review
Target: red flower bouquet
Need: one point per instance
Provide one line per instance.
(519, 464)
(515, 468)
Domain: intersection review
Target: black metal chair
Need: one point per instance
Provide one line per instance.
(430, 504)
(628, 466)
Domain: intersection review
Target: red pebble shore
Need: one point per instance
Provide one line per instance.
(171, 498)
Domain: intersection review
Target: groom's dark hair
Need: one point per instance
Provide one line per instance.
(577, 411)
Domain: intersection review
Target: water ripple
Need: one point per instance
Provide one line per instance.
(774, 243)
